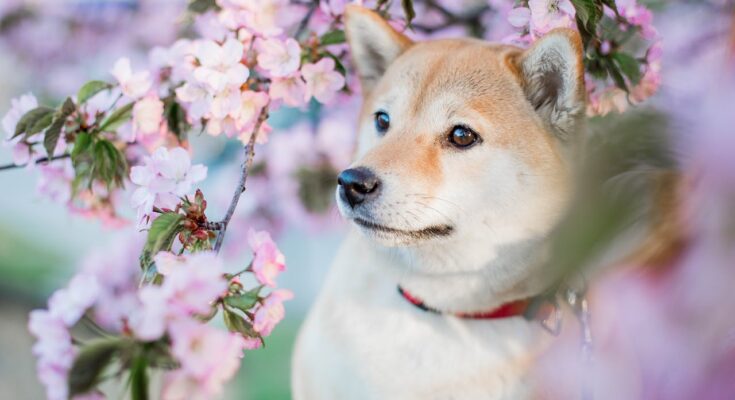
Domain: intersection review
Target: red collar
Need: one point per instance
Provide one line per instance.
(530, 308)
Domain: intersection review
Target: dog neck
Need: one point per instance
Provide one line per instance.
(455, 280)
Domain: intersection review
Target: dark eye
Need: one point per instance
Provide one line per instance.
(462, 137)
(382, 121)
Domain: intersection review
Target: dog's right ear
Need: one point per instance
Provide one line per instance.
(373, 42)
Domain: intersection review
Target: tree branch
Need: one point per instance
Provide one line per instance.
(249, 150)
(39, 161)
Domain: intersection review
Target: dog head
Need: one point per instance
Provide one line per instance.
(465, 147)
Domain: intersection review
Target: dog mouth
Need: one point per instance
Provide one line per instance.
(425, 233)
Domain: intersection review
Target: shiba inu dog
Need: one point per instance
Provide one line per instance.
(464, 166)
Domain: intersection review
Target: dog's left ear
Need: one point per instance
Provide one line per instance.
(373, 42)
(552, 76)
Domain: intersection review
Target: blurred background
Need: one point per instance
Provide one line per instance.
(52, 47)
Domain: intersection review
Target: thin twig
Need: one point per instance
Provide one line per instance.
(249, 150)
(305, 21)
(39, 161)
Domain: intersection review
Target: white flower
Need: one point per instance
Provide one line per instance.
(279, 58)
(147, 116)
(322, 81)
(133, 85)
(165, 176)
(221, 66)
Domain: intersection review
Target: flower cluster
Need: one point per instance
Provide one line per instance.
(615, 78)
(170, 316)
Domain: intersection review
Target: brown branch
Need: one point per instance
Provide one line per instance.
(39, 161)
(249, 150)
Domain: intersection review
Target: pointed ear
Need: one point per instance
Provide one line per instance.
(373, 42)
(552, 76)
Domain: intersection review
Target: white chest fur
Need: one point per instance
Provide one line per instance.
(363, 341)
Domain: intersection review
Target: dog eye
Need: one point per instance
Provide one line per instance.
(382, 121)
(463, 137)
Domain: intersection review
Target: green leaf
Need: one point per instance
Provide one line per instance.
(333, 37)
(88, 367)
(244, 301)
(629, 66)
(236, 323)
(614, 71)
(176, 118)
(589, 13)
(53, 133)
(117, 118)
(81, 145)
(408, 10)
(139, 379)
(611, 4)
(90, 89)
(161, 236)
(109, 163)
(40, 125)
(202, 6)
(30, 118)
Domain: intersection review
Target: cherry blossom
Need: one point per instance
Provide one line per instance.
(54, 351)
(279, 58)
(549, 14)
(190, 287)
(18, 107)
(291, 89)
(163, 179)
(71, 303)
(322, 81)
(133, 85)
(268, 261)
(220, 65)
(147, 116)
(209, 357)
(271, 312)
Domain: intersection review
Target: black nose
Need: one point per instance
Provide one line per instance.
(357, 185)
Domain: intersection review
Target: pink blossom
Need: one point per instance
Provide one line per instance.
(519, 17)
(291, 89)
(271, 312)
(268, 261)
(322, 81)
(549, 14)
(133, 85)
(189, 288)
(178, 58)
(279, 58)
(147, 116)
(18, 107)
(196, 96)
(209, 357)
(164, 177)
(21, 152)
(221, 66)
(55, 181)
(149, 321)
(637, 15)
(251, 104)
(167, 262)
(54, 351)
(71, 303)
(266, 17)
